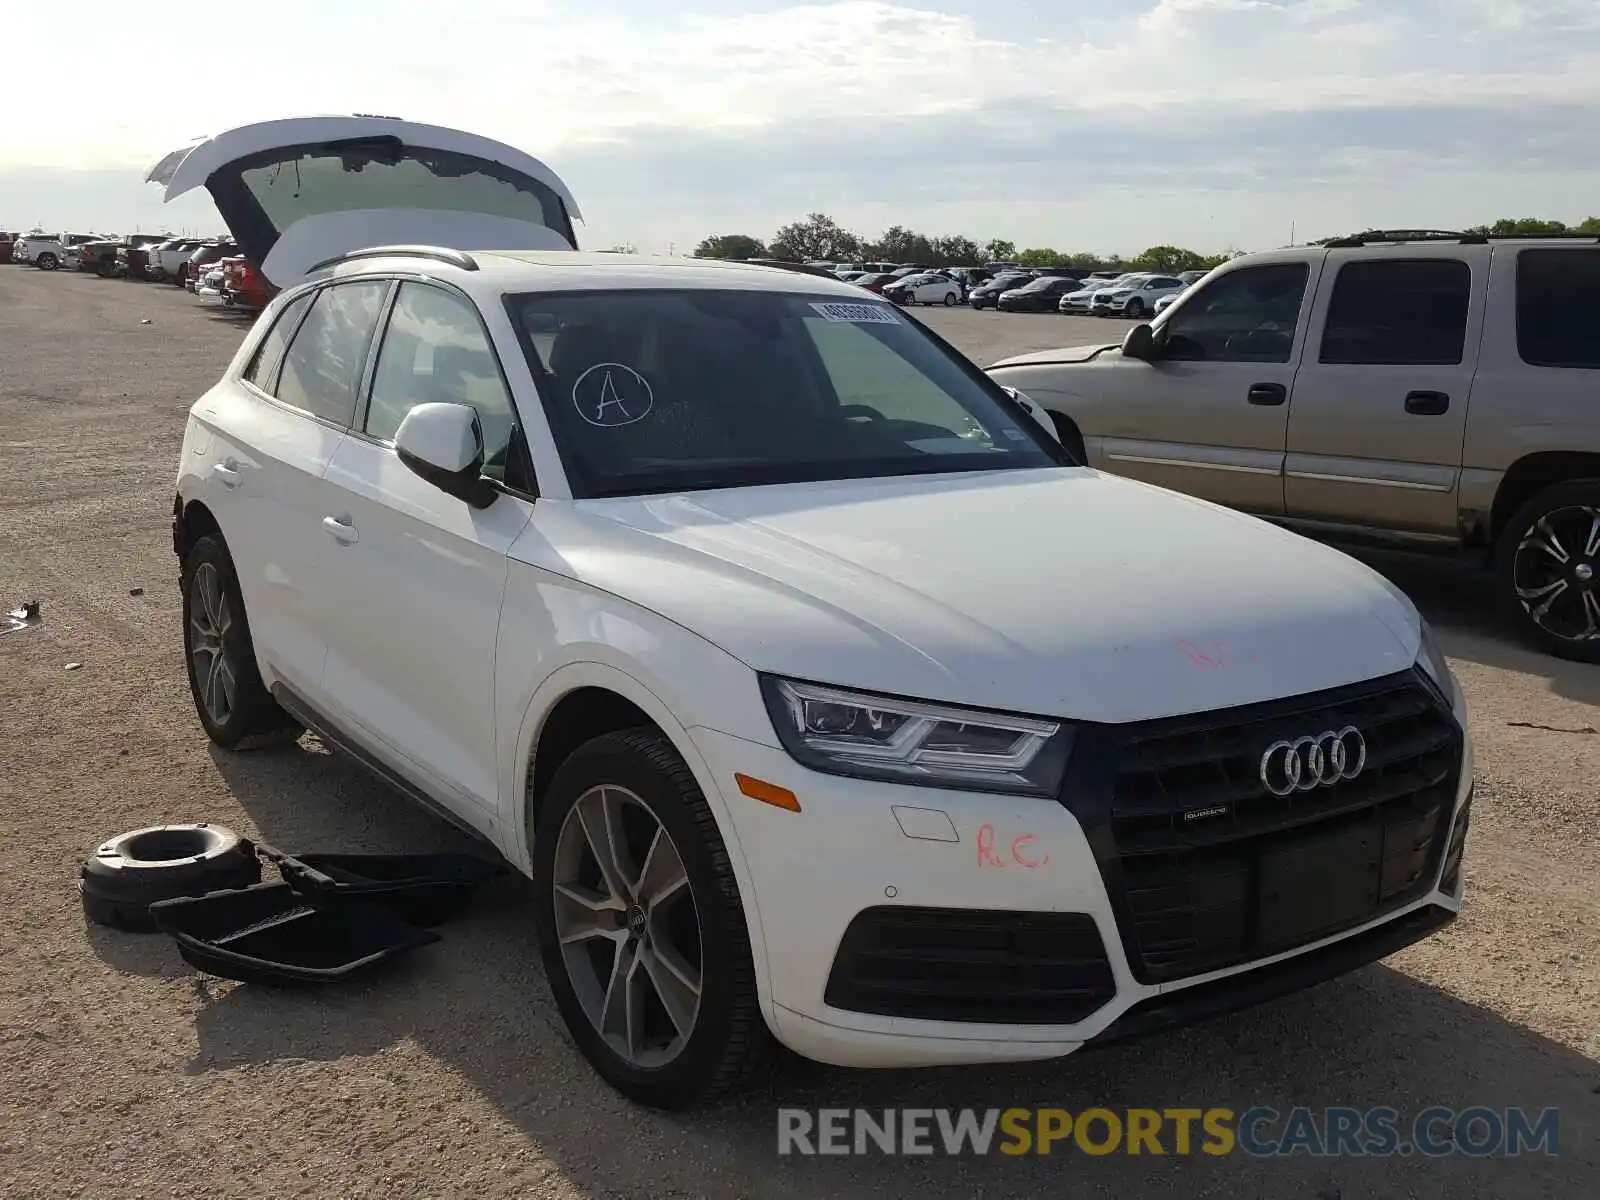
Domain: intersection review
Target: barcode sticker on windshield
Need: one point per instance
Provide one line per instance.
(856, 314)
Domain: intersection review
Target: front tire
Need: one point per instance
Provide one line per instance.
(47, 261)
(1547, 570)
(950, 299)
(641, 927)
(1134, 309)
(234, 706)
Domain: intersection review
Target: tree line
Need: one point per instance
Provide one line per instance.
(819, 237)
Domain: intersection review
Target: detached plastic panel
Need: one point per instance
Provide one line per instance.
(423, 889)
(270, 934)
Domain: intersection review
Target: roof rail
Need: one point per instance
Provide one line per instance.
(1380, 236)
(444, 254)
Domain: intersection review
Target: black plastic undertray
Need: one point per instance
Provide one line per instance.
(422, 889)
(270, 934)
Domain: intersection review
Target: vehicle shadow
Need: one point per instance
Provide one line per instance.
(478, 1003)
(1457, 598)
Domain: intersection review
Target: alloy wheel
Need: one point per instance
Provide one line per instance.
(215, 681)
(1556, 573)
(628, 926)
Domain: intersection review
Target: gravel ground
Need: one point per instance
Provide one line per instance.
(128, 1076)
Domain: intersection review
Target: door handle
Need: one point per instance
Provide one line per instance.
(227, 473)
(1427, 404)
(1267, 393)
(341, 529)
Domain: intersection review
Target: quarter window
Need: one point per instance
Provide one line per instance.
(263, 368)
(1558, 295)
(1248, 315)
(1398, 312)
(322, 368)
(435, 350)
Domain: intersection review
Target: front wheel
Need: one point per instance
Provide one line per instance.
(640, 924)
(47, 261)
(1547, 570)
(1135, 308)
(950, 299)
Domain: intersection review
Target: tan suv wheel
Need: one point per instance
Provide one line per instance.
(1547, 569)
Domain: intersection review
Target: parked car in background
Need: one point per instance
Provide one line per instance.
(987, 294)
(6, 242)
(875, 283)
(136, 253)
(167, 259)
(1136, 298)
(51, 251)
(201, 259)
(242, 286)
(1080, 300)
(924, 289)
(1437, 394)
(1042, 294)
(99, 257)
(999, 267)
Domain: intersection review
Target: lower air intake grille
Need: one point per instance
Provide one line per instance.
(945, 964)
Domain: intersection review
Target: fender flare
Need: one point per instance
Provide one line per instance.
(588, 673)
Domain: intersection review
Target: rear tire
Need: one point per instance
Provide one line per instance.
(1547, 570)
(233, 704)
(678, 918)
(47, 261)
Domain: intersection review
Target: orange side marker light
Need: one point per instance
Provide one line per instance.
(767, 793)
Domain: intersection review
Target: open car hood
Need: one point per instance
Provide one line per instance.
(297, 192)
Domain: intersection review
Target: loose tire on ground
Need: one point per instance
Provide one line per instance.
(235, 708)
(128, 874)
(728, 1039)
(1547, 570)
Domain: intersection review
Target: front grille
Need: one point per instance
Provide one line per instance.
(1207, 868)
(948, 964)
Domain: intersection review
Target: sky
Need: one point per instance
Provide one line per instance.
(1081, 125)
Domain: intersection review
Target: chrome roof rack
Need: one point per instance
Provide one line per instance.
(1379, 236)
(444, 254)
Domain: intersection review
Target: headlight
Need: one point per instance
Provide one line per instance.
(1431, 658)
(876, 737)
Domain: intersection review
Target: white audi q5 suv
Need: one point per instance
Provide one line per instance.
(823, 696)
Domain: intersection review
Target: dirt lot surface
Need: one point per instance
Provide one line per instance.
(125, 1075)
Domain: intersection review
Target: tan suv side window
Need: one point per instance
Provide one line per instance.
(1247, 315)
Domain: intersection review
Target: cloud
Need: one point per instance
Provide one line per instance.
(735, 113)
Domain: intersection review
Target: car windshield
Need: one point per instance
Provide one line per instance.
(1039, 284)
(656, 391)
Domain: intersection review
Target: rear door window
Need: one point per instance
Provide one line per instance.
(322, 368)
(263, 368)
(1398, 312)
(1558, 297)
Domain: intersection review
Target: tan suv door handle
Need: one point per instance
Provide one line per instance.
(1267, 393)
(1427, 404)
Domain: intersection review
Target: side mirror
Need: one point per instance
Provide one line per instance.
(443, 444)
(1140, 343)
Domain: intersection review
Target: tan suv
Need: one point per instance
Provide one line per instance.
(1440, 389)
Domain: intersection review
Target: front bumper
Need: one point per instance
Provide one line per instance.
(859, 847)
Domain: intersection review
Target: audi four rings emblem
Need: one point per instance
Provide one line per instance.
(1310, 762)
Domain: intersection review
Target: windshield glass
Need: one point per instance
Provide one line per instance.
(665, 391)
